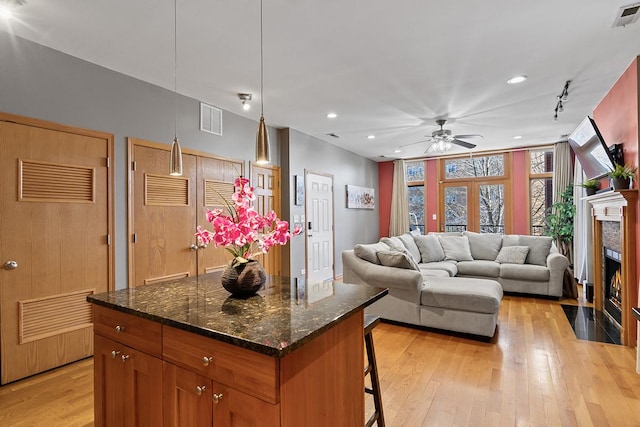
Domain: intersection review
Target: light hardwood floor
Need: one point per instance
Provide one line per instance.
(533, 373)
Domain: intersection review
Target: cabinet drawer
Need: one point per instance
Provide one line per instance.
(136, 332)
(245, 370)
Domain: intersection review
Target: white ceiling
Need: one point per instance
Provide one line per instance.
(387, 68)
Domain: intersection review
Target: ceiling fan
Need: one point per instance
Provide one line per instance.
(442, 139)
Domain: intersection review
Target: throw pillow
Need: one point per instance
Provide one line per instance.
(397, 259)
(456, 248)
(410, 244)
(430, 248)
(484, 246)
(539, 248)
(393, 242)
(369, 252)
(512, 255)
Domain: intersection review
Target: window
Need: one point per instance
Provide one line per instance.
(415, 192)
(540, 188)
(474, 167)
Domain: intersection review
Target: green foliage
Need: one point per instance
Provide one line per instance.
(559, 222)
(590, 183)
(623, 172)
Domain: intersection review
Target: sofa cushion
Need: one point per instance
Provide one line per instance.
(478, 268)
(513, 255)
(525, 272)
(539, 247)
(410, 244)
(433, 273)
(484, 246)
(397, 259)
(458, 293)
(430, 248)
(369, 252)
(448, 266)
(456, 248)
(393, 242)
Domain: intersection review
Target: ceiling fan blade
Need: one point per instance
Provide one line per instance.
(463, 143)
(419, 142)
(475, 135)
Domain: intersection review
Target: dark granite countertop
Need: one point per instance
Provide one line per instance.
(636, 312)
(279, 319)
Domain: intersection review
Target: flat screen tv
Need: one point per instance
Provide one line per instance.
(590, 150)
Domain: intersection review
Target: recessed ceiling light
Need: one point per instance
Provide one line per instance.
(517, 137)
(397, 150)
(371, 137)
(5, 12)
(517, 79)
(331, 115)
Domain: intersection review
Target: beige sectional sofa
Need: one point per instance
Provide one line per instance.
(454, 281)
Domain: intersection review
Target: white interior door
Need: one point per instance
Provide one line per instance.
(319, 215)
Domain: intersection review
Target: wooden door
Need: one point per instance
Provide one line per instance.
(233, 408)
(215, 185)
(187, 398)
(164, 217)
(266, 182)
(319, 214)
(55, 231)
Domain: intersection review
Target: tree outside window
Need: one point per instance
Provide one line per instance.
(540, 188)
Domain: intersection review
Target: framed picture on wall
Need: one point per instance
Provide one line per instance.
(299, 186)
(360, 197)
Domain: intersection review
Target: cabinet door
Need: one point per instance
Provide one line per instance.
(128, 386)
(187, 398)
(233, 408)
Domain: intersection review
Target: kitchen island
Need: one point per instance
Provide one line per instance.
(186, 353)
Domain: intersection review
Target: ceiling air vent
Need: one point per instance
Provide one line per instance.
(210, 119)
(627, 15)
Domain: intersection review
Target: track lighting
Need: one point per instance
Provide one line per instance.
(245, 98)
(562, 98)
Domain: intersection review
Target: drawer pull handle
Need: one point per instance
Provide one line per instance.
(217, 398)
(114, 353)
(119, 329)
(200, 389)
(125, 357)
(206, 360)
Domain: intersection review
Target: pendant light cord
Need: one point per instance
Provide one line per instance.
(261, 67)
(175, 64)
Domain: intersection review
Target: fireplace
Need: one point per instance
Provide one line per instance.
(614, 258)
(612, 284)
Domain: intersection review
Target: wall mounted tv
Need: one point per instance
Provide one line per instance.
(590, 150)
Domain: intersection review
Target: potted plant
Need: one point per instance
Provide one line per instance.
(590, 186)
(559, 222)
(621, 176)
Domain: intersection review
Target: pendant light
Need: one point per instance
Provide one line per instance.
(175, 167)
(262, 136)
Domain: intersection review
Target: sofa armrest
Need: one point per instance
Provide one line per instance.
(557, 264)
(360, 272)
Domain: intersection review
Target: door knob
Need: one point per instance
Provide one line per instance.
(10, 265)
(193, 247)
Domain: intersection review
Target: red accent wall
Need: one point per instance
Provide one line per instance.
(385, 188)
(617, 117)
(431, 195)
(519, 187)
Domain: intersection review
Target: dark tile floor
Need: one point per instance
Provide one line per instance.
(591, 325)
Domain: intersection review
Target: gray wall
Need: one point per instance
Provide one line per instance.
(302, 152)
(45, 84)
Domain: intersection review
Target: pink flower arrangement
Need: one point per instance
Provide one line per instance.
(242, 227)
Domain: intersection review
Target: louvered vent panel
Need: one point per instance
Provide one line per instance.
(41, 181)
(216, 192)
(54, 315)
(162, 190)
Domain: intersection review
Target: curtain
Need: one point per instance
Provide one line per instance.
(582, 232)
(399, 219)
(562, 169)
(562, 177)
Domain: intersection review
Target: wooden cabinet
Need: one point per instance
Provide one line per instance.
(187, 398)
(130, 391)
